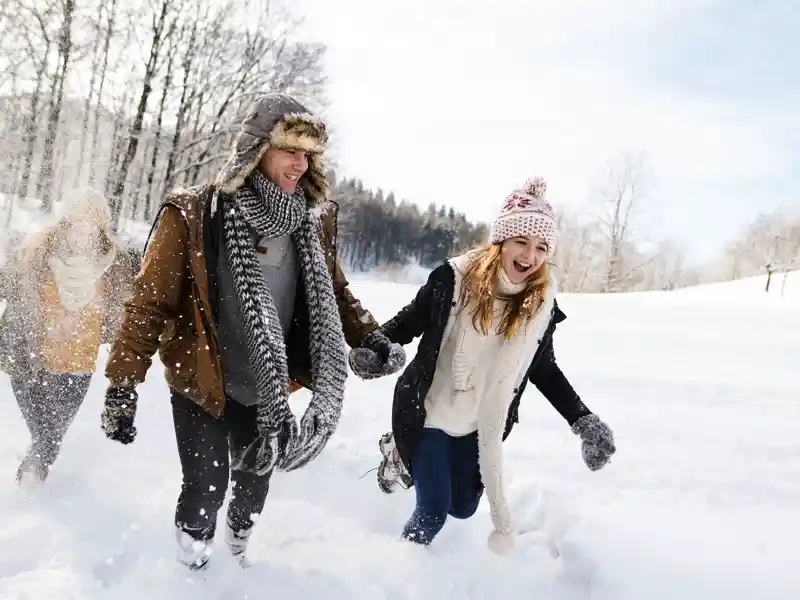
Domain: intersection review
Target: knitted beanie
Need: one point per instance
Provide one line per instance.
(526, 212)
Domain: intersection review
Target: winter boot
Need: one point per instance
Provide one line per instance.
(237, 543)
(31, 472)
(191, 552)
(391, 471)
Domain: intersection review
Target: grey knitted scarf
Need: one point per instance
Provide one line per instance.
(271, 212)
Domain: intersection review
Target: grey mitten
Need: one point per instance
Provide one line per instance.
(315, 431)
(377, 356)
(598, 441)
(277, 427)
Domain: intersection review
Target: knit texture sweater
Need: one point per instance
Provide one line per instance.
(474, 383)
(279, 264)
(465, 366)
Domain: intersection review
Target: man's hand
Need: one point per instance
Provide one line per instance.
(118, 415)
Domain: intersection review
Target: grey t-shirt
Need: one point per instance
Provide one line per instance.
(280, 266)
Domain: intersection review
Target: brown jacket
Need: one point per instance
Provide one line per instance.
(33, 308)
(171, 310)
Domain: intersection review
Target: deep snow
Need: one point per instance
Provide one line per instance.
(702, 500)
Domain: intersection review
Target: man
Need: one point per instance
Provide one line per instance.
(241, 292)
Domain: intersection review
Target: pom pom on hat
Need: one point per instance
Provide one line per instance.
(525, 212)
(536, 187)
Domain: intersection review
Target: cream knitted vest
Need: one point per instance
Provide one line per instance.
(502, 376)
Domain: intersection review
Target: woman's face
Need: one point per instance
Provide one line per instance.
(80, 237)
(522, 256)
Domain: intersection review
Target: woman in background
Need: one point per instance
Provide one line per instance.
(63, 291)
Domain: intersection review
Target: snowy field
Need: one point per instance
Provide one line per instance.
(702, 500)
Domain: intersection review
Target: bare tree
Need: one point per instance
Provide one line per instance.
(158, 29)
(167, 84)
(97, 57)
(149, 91)
(623, 197)
(107, 35)
(188, 40)
(33, 26)
(44, 186)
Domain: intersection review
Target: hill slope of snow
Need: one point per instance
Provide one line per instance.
(702, 500)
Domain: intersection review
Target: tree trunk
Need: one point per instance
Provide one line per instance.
(190, 176)
(157, 141)
(87, 110)
(183, 108)
(103, 70)
(136, 130)
(45, 182)
(116, 145)
(135, 195)
(32, 128)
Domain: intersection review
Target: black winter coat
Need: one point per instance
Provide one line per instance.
(427, 316)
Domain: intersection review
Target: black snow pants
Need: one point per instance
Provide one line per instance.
(204, 446)
(49, 403)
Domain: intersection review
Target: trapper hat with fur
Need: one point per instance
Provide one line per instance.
(278, 121)
(525, 212)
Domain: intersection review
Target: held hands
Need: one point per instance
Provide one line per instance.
(377, 356)
(119, 411)
(598, 441)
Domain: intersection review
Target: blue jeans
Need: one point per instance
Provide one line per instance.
(447, 481)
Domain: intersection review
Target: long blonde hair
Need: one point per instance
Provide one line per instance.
(479, 288)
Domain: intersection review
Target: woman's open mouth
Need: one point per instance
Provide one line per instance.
(521, 267)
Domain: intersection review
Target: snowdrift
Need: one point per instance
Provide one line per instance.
(702, 500)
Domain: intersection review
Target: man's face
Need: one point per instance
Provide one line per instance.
(284, 167)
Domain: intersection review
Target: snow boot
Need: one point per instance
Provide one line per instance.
(237, 543)
(31, 472)
(191, 552)
(391, 471)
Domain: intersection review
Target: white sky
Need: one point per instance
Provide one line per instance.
(456, 103)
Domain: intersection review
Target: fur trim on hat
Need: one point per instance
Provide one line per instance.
(301, 131)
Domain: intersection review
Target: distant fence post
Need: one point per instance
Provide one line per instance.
(769, 276)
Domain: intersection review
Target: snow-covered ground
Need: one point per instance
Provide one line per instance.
(702, 500)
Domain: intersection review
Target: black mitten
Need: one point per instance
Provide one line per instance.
(598, 441)
(377, 356)
(119, 412)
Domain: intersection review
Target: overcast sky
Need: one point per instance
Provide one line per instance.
(452, 102)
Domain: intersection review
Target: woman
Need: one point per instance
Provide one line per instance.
(63, 291)
(486, 320)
